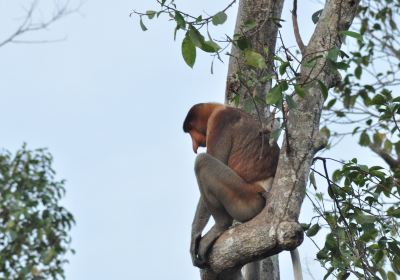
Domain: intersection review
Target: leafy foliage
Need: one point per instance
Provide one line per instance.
(33, 226)
(366, 100)
(360, 208)
(363, 226)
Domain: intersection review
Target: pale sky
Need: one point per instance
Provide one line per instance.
(109, 102)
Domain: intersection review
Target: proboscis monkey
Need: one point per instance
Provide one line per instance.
(232, 176)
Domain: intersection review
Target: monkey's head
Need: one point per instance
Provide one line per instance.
(196, 123)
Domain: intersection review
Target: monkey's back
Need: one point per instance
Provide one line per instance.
(251, 156)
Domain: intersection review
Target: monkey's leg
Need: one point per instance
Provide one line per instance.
(200, 220)
(227, 197)
(207, 241)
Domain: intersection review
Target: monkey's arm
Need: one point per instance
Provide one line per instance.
(200, 220)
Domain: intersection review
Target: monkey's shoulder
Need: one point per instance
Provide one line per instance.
(228, 116)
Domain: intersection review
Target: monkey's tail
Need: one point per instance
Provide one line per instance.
(296, 264)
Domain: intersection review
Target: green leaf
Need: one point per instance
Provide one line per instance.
(195, 36)
(378, 138)
(330, 103)
(198, 40)
(396, 264)
(358, 72)
(210, 47)
(300, 91)
(312, 180)
(249, 25)
(243, 43)
(144, 28)
(315, 16)
(393, 212)
(324, 89)
(290, 102)
(341, 65)
(329, 272)
(343, 275)
(313, 230)
(330, 242)
(219, 18)
(388, 146)
(150, 14)
(277, 21)
(369, 234)
(364, 219)
(283, 66)
(254, 59)
(378, 256)
(236, 100)
(284, 84)
(391, 275)
(277, 58)
(378, 99)
(305, 226)
(180, 21)
(274, 96)
(392, 24)
(248, 105)
(343, 54)
(364, 139)
(325, 131)
(333, 54)
(397, 147)
(363, 167)
(337, 175)
(188, 51)
(48, 256)
(322, 255)
(353, 34)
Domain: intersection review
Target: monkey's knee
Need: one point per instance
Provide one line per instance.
(201, 161)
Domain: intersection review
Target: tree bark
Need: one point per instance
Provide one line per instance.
(263, 37)
(276, 228)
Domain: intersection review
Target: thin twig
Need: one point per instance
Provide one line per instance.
(27, 25)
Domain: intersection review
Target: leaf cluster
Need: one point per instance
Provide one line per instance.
(34, 227)
(363, 228)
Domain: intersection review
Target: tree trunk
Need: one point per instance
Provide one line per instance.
(276, 228)
(262, 12)
(262, 38)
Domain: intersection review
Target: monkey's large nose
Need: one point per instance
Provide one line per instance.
(195, 146)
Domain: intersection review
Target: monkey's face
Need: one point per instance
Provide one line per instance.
(198, 139)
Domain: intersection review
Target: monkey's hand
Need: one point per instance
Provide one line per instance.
(194, 252)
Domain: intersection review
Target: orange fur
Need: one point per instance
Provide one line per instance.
(245, 140)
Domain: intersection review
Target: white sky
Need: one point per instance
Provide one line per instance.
(109, 102)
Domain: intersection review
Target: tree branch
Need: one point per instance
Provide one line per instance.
(28, 25)
(392, 162)
(276, 228)
(297, 35)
